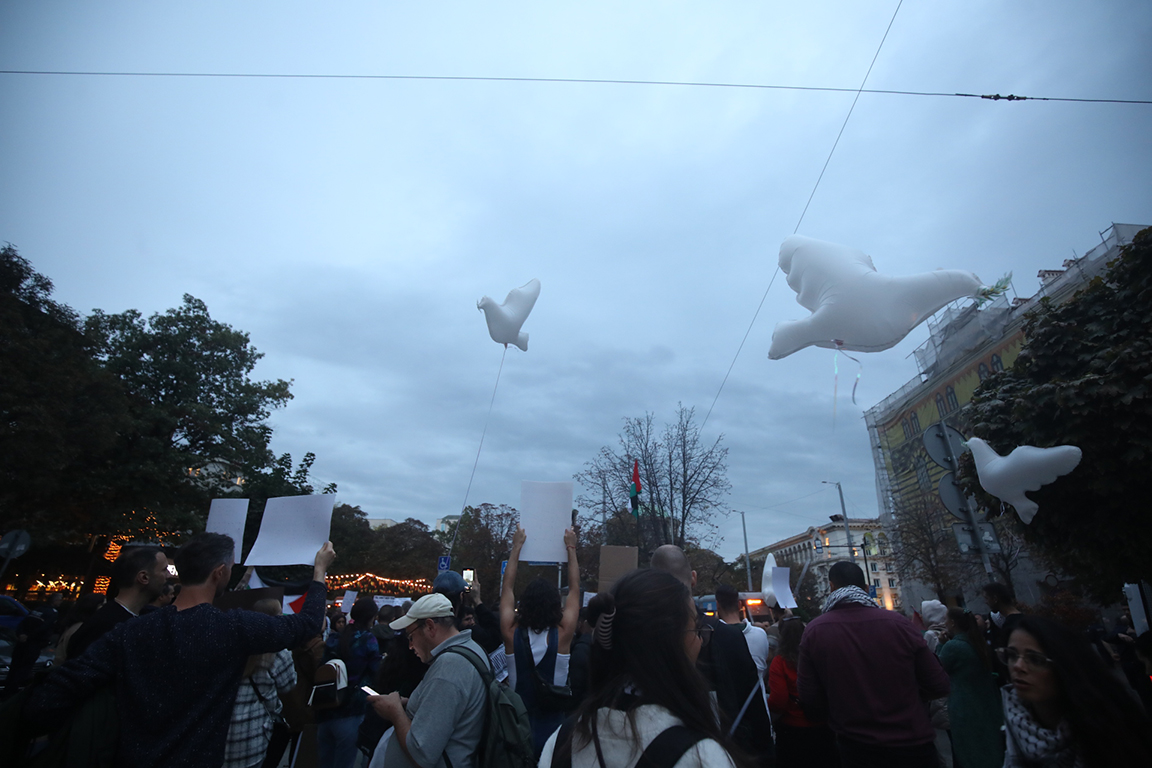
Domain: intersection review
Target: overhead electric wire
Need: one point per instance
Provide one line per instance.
(799, 221)
(569, 80)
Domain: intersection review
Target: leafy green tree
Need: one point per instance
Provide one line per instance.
(190, 375)
(407, 550)
(61, 414)
(483, 540)
(193, 405)
(1084, 378)
(353, 538)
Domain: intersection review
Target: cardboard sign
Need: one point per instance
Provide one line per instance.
(614, 563)
(545, 511)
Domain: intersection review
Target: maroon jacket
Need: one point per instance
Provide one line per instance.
(869, 672)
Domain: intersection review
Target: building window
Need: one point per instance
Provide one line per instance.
(922, 475)
(907, 431)
(876, 583)
(915, 420)
(982, 371)
(892, 583)
(997, 363)
(950, 397)
(875, 567)
(940, 407)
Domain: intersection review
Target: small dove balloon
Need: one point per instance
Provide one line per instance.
(853, 306)
(1027, 468)
(504, 320)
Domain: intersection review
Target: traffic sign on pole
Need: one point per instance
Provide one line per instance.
(444, 564)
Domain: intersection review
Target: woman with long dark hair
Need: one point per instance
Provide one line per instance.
(973, 703)
(537, 637)
(356, 646)
(799, 740)
(1062, 707)
(643, 682)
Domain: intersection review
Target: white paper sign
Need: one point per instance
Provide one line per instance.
(292, 530)
(227, 516)
(380, 601)
(545, 511)
(588, 598)
(349, 600)
(780, 586)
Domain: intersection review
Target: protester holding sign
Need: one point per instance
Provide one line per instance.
(176, 671)
(538, 638)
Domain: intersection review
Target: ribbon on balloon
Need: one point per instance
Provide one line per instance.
(836, 376)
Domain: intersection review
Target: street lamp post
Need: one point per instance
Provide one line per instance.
(844, 515)
(747, 561)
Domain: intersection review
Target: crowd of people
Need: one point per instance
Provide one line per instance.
(640, 676)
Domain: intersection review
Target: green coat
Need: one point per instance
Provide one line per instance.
(973, 706)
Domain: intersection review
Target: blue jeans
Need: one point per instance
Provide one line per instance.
(336, 742)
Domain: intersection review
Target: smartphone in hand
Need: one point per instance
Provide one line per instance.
(368, 690)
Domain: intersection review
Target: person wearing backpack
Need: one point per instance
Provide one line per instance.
(443, 722)
(646, 699)
(538, 638)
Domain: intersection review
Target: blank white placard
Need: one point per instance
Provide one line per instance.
(545, 511)
(349, 600)
(292, 530)
(227, 516)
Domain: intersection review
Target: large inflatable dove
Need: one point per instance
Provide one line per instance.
(504, 320)
(1027, 468)
(853, 306)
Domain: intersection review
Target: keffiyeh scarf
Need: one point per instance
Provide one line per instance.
(849, 595)
(1036, 743)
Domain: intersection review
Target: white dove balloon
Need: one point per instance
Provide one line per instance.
(853, 306)
(766, 590)
(1027, 468)
(504, 320)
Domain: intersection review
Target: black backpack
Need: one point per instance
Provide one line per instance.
(507, 738)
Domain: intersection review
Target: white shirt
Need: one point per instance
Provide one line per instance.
(621, 750)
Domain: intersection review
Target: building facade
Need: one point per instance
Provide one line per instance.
(966, 345)
(822, 546)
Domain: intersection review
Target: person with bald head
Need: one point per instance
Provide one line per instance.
(728, 667)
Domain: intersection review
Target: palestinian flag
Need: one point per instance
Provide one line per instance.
(634, 490)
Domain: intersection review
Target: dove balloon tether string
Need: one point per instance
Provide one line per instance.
(836, 376)
(804, 213)
(483, 432)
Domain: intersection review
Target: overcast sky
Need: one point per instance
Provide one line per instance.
(351, 225)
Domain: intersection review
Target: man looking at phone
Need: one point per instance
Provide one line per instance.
(444, 718)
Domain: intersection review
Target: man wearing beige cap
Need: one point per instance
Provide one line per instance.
(441, 724)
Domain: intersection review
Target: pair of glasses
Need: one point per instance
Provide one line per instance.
(415, 629)
(703, 631)
(1035, 660)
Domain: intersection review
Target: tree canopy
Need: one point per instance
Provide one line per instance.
(121, 425)
(1084, 378)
